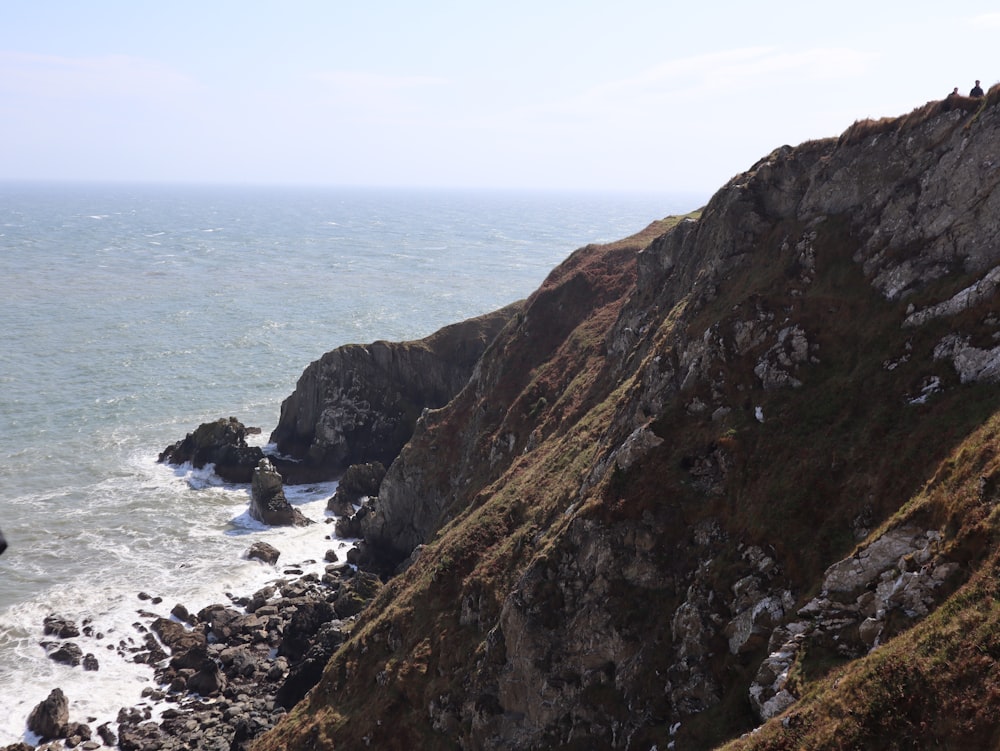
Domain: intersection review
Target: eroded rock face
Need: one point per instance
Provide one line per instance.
(359, 403)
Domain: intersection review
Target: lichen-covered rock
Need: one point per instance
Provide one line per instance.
(893, 580)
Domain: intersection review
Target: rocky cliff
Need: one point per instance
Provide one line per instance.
(741, 468)
(359, 403)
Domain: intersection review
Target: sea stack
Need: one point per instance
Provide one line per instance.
(267, 498)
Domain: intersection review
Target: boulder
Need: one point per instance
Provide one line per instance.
(67, 654)
(218, 619)
(177, 638)
(208, 680)
(261, 551)
(3, 542)
(50, 717)
(267, 499)
(56, 625)
(222, 443)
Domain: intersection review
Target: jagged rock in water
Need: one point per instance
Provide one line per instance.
(359, 403)
(67, 653)
(264, 552)
(50, 717)
(222, 443)
(56, 625)
(267, 499)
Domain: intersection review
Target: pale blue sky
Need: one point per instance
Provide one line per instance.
(615, 95)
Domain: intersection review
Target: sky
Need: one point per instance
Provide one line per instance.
(618, 95)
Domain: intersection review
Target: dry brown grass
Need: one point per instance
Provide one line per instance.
(864, 129)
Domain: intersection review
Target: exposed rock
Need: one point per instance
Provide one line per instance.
(50, 717)
(177, 638)
(56, 625)
(3, 542)
(358, 482)
(221, 443)
(359, 403)
(267, 500)
(264, 552)
(865, 597)
(972, 364)
(106, 734)
(309, 668)
(67, 653)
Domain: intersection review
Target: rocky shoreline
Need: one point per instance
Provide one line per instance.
(223, 675)
(228, 672)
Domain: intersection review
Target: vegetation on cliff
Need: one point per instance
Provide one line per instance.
(741, 467)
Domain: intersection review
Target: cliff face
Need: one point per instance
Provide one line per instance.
(359, 403)
(742, 458)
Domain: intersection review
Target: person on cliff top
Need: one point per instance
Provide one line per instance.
(954, 92)
(976, 90)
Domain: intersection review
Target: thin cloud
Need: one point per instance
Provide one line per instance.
(759, 67)
(89, 77)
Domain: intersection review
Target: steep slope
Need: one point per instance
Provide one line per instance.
(703, 468)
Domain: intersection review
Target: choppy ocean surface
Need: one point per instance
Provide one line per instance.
(130, 314)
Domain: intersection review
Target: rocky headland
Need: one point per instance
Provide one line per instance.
(360, 403)
(730, 482)
(733, 474)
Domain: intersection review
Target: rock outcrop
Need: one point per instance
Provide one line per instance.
(268, 503)
(221, 443)
(50, 718)
(702, 467)
(359, 403)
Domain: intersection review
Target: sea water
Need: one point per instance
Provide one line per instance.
(131, 314)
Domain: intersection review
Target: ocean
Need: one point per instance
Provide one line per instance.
(131, 314)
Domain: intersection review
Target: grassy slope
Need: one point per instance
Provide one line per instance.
(411, 634)
(936, 685)
(845, 444)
